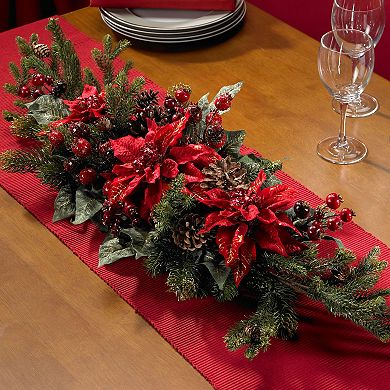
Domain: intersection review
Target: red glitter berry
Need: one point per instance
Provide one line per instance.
(169, 103)
(81, 148)
(334, 223)
(24, 92)
(37, 93)
(56, 138)
(223, 102)
(182, 95)
(346, 215)
(87, 176)
(333, 200)
(213, 118)
(49, 80)
(313, 232)
(38, 79)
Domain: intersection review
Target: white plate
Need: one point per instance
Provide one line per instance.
(194, 38)
(168, 32)
(167, 19)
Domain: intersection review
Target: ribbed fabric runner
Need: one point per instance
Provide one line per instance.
(331, 353)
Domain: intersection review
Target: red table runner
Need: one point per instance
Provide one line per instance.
(332, 353)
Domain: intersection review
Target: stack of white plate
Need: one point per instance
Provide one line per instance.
(171, 26)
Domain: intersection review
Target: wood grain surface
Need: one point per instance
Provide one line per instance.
(61, 327)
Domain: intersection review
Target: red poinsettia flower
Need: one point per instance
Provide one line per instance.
(149, 163)
(250, 218)
(89, 106)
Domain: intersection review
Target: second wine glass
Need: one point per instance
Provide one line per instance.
(345, 65)
(367, 16)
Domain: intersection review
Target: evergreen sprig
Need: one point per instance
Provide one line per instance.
(172, 206)
(104, 59)
(68, 60)
(120, 98)
(274, 317)
(47, 167)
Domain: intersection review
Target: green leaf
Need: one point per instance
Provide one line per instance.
(64, 205)
(86, 207)
(47, 108)
(219, 272)
(112, 250)
(137, 239)
(336, 240)
(234, 141)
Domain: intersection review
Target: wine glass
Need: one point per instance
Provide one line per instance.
(367, 16)
(345, 65)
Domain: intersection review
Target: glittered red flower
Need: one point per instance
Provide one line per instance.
(148, 164)
(86, 108)
(248, 219)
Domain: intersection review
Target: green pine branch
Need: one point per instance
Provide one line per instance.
(120, 98)
(184, 277)
(90, 79)
(274, 317)
(25, 126)
(24, 47)
(104, 59)
(68, 60)
(48, 168)
(172, 206)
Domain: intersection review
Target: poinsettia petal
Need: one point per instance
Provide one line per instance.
(124, 170)
(192, 173)
(266, 216)
(127, 148)
(173, 132)
(152, 174)
(152, 196)
(250, 213)
(215, 219)
(89, 90)
(224, 239)
(284, 220)
(278, 197)
(169, 168)
(214, 197)
(267, 238)
(131, 187)
(202, 154)
(257, 183)
(291, 245)
(165, 136)
(237, 241)
(247, 257)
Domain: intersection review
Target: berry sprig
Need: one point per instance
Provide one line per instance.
(40, 84)
(118, 215)
(315, 222)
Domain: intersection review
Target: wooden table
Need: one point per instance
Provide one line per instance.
(62, 327)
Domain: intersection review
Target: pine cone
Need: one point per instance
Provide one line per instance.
(41, 50)
(146, 98)
(225, 174)
(186, 234)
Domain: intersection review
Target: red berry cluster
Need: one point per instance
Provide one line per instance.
(118, 215)
(176, 104)
(214, 134)
(324, 216)
(37, 85)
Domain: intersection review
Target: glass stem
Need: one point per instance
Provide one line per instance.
(342, 138)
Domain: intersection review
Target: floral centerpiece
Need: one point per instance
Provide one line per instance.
(170, 185)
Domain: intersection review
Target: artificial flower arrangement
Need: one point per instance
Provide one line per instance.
(169, 185)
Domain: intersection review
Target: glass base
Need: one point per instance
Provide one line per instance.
(365, 106)
(349, 152)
